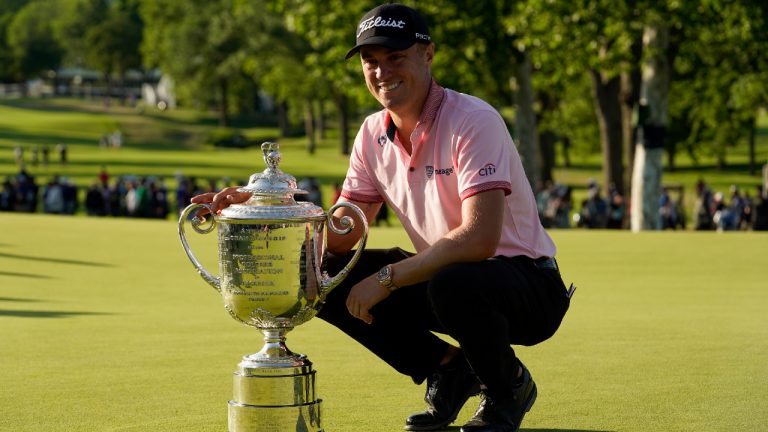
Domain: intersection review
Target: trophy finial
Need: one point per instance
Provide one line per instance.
(271, 154)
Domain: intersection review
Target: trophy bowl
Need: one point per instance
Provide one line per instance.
(270, 264)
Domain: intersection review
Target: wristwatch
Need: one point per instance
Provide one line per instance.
(385, 278)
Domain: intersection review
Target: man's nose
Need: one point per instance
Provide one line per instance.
(382, 71)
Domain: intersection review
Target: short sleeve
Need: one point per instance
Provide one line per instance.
(484, 152)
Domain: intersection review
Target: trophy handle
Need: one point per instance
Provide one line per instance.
(197, 226)
(329, 283)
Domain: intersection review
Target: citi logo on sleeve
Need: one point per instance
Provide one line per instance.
(487, 170)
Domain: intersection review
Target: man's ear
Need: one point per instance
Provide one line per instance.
(429, 53)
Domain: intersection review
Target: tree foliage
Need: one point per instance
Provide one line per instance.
(31, 42)
(584, 57)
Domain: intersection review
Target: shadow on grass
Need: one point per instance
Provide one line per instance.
(24, 275)
(19, 300)
(38, 105)
(562, 430)
(456, 428)
(53, 260)
(49, 139)
(45, 314)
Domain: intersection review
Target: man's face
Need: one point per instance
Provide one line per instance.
(397, 79)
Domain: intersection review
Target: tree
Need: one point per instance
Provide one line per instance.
(201, 45)
(328, 29)
(654, 92)
(717, 89)
(8, 10)
(486, 56)
(31, 42)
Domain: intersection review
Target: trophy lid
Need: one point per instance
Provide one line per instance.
(273, 192)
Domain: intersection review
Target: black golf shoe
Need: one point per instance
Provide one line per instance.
(448, 389)
(504, 415)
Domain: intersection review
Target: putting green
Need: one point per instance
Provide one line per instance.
(105, 326)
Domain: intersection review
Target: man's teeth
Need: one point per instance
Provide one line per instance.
(390, 86)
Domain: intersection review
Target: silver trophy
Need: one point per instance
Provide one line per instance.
(270, 255)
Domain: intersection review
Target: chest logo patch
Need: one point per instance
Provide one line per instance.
(439, 171)
(382, 140)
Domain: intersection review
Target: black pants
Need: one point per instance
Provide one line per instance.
(485, 306)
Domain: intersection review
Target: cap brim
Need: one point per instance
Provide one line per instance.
(387, 41)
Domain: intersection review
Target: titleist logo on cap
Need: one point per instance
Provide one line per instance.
(379, 22)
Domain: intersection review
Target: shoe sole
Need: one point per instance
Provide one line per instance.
(472, 392)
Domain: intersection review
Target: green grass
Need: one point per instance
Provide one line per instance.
(105, 326)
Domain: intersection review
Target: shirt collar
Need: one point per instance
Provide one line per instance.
(428, 111)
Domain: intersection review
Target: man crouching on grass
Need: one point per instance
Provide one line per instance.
(484, 271)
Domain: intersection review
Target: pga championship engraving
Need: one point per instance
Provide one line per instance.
(270, 259)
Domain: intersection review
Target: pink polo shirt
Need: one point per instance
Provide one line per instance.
(461, 147)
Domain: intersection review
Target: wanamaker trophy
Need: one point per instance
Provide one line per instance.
(270, 258)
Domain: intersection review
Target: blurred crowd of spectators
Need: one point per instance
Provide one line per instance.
(740, 211)
(126, 196)
(555, 205)
(148, 197)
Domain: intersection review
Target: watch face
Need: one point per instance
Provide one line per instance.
(384, 273)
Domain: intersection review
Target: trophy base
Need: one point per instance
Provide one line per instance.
(250, 418)
(277, 396)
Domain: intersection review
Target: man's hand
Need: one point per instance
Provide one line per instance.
(220, 200)
(365, 295)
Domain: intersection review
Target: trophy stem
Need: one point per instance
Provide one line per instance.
(275, 353)
(274, 345)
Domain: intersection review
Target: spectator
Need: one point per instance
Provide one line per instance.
(760, 210)
(704, 207)
(62, 150)
(94, 200)
(53, 197)
(103, 176)
(617, 209)
(8, 195)
(46, 155)
(18, 154)
(594, 209)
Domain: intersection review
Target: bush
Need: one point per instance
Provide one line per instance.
(226, 137)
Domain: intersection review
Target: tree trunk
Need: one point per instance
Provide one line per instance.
(722, 163)
(671, 149)
(224, 107)
(566, 143)
(525, 121)
(652, 125)
(608, 108)
(282, 118)
(342, 104)
(752, 136)
(630, 95)
(547, 140)
(320, 125)
(309, 126)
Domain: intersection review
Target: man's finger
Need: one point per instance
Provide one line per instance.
(203, 198)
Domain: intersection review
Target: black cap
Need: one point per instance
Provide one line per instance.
(393, 25)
